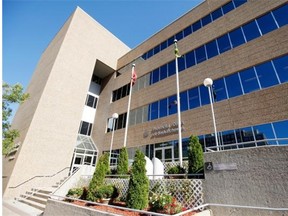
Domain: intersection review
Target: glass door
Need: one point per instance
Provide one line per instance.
(165, 154)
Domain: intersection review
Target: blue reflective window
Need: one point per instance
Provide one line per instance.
(210, 140)
(228, 7)
(163, 72)
(196, 26)
(190, 59)
(281, 130)
(154, 110)
(245, 135)
(206, 20)
(237, 37)
(281, 65)
(200, 54)
(266, 23)
(187, 31)
(155, 76)
(212, 49)
(233, 85)
(172, 101)
(171, 68)
(144, 56)
(204, 95)
(280, 15)
(263, 132)
(184, 101)
(194, 100)
(156, 49)
(163, 45)
(249, 80)
(217, 13)
(266, 75)
(170, 41)
(228, 137)
(163, 108)
(223, 43)
(150, 53)
(219, 90)
(181, 64)
(239, 2)
(251, 31)
(179, 35)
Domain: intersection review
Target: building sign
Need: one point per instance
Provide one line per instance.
(165, 130)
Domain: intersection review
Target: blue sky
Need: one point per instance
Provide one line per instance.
(29, 26)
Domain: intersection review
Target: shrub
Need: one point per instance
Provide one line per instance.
(137, 195)
(177, 170)
(75, 192)
(106, 191)
(195, 155)
(102, 168)
(164, 203)
(122, 166)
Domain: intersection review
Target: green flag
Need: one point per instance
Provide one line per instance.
(176, 51)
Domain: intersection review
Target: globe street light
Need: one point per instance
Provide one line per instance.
(114, 117)
(208, 82)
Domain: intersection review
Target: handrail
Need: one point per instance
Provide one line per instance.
(39, 176)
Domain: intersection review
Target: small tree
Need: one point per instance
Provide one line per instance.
(195, 155)
(11, 94)
(122, 166)
(102, 168)
(137, 195)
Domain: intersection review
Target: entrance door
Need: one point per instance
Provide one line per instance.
(165, 154)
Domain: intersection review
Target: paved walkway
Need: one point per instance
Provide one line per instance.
(15, 208)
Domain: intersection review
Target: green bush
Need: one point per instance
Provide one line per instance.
(106, 191)
(177, 170)
(137, 195)
(122, 166)
(195, 156)
(102, 168)
(75, 192)
(164, 203)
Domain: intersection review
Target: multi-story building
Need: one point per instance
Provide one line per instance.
(84, 75)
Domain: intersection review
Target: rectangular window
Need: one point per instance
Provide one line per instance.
(281, 66)
(200, 54)
(145, 113)
(204, 95)
(184, 101)
(206, 20)
(196, 25)
(190, 59)
(163, 45)
(219, 90)
(249, 80)
(194, 98)
(156, 49)
(154, 110)
(187, 31)
(263, 132)
(171, 68)
(163, 108)
(266, 75)
(172, 101)
(181, 64)
(155, 76)
(223, 43)
(170, 41)
(132, 117)
(280, 15)
(212, 49)
(216, 14)
(266, 23)
(251, 31)
(237, 37)
(179, 35)
(281, 130)
(85, 128)
(227, 7)
(239, 2)
(139, 114)
(233, 85)
(91, 101)
(163, 72)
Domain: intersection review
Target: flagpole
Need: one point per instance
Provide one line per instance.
(178, 104)
(129, 103)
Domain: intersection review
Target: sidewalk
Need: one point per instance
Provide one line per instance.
(16, 208)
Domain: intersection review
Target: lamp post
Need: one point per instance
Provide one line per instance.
(208, 82)
(114, 117)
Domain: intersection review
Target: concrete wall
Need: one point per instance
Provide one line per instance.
(259, 180)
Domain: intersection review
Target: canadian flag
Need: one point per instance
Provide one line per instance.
(134, 77)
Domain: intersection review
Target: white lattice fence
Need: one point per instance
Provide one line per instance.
(168, 165)
(187, 191)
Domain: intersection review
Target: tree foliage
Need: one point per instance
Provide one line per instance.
(123, 166)
(11, 94)
(195, 155)
(137, 195)
(102, 168)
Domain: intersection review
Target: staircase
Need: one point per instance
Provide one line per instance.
(37, 198)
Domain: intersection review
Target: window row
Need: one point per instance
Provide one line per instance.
(85, 128)
(121, 92)
(119, 123)
(91, 101)
(256, 28)
(219, 12)
(267, 74)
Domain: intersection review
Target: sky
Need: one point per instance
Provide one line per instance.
(29, 26)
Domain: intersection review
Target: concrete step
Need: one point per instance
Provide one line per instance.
(43, 191)
(33, 204)
(37, 199)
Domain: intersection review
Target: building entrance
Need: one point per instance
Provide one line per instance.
(165, 154)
